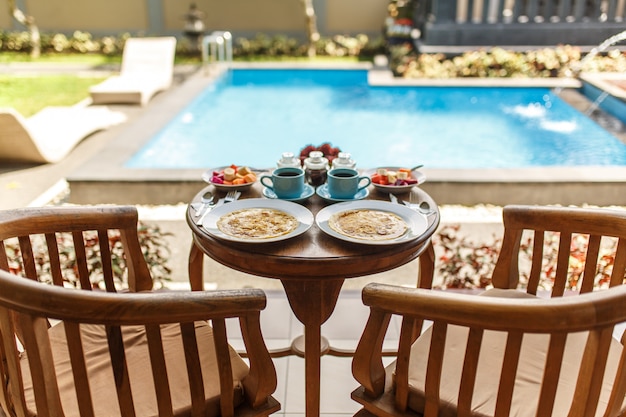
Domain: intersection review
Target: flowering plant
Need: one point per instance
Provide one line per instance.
(326, 148)
(151, 238)
(467, 263)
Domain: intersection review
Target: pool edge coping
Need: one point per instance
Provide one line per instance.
(108, 165)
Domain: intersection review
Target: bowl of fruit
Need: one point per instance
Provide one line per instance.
(396, 180)
(231, 177)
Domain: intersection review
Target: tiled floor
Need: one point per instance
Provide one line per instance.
(342, 330)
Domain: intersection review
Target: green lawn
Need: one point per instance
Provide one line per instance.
(92, 59)
(29, 94)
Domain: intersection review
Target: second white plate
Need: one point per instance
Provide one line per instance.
(302, 214)
(416, 223)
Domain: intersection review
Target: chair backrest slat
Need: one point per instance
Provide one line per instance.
(619, 386)
(105, 257)
(403, 355)
(159, 370)
(551, 373)
(563, 256)
(41, 363)
(11, 366)
(605, 336)
(470, 368)
(537, 262)
(591, 264)
(81, 259)
(28, 258)
(139, 277)
(120, 370)
(619, 265)
(509, 370)
(224, 368)
(192, 360)
(434, 368)
(584, 398)
(53, 256)
(4, 259)
(79, 369)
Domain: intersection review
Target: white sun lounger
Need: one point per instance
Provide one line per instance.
(52, 133)
(147, 68)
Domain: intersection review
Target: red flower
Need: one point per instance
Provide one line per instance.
(326, 148)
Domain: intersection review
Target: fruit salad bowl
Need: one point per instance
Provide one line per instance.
(395, 180)
(231, 177)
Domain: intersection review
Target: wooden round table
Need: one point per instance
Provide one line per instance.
(312, 268)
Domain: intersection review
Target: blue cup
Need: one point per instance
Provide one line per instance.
(286, 182)
(345, 183)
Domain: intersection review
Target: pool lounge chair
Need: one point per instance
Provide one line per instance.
(147, 68)
(52, 133)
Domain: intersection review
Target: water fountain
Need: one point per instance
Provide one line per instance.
(576, 69)
(598, 49)
(596, 103)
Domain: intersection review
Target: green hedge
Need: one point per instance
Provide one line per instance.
(404, 61)
(561, 61)
(261, 45)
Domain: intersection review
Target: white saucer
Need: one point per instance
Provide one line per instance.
(306, 193)
(322, 191)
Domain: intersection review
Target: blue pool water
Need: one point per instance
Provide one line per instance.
(251, 116)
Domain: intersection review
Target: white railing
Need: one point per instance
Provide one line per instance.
(217, 48)
(535, 11)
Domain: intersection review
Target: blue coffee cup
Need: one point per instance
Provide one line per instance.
(345, 183)
(286, 182)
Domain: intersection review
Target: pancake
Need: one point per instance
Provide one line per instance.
(368, 224)
(257, 223)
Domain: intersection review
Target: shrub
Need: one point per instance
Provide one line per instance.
(78, 42)
(466, 263)
(499, 62)
(404, 61)
(151, 238)
(260, 45)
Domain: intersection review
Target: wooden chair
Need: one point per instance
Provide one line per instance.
(507, 352)
(69, 352)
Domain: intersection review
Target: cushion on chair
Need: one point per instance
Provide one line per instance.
(139, 369)
(530, 369)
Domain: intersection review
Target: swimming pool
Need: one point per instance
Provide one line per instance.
(251, 116)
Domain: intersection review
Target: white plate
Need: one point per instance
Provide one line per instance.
(207, 175)
(302, 214)
(397, 189)
(416, 222)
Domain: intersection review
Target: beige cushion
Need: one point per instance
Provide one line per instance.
(101, 375)
(529, 376)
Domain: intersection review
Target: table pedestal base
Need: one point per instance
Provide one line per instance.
(298, 346)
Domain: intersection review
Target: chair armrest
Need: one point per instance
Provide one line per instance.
(570, 314)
